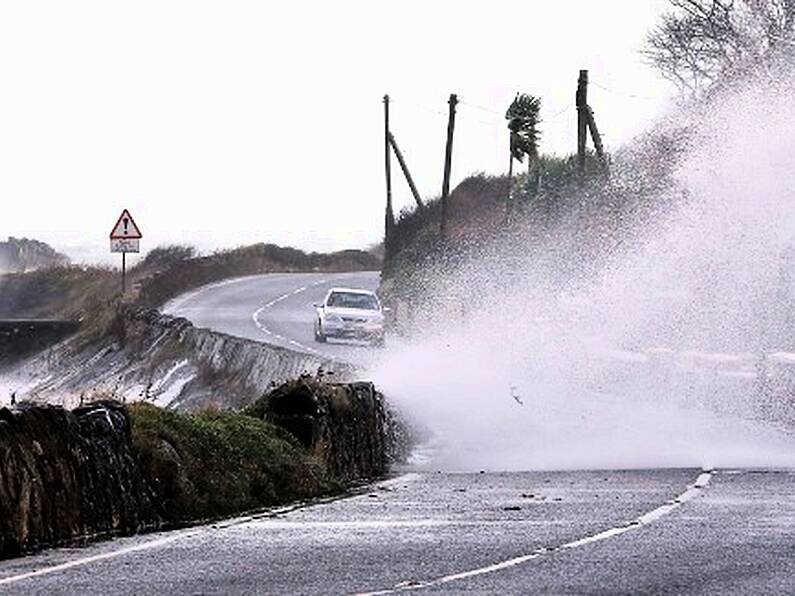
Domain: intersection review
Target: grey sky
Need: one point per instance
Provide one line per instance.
(223, 123)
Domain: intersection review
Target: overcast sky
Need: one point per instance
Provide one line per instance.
(225, 123)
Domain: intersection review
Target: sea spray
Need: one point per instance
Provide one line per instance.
(537, 354)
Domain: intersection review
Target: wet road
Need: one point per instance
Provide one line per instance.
(629, 532)
(274, 308)
(665, 531)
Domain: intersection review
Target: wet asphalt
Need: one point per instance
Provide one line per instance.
(736, 535)
(592, 532)
(276, 309)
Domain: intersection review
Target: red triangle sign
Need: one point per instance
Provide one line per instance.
(125, 228)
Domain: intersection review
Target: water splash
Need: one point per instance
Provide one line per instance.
(542, 357)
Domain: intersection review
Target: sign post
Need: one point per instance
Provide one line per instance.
(125, 237)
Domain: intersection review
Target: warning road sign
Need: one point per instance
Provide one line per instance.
(125, 245)
(125, 235)
(125, 228)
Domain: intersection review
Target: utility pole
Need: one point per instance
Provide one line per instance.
(389, 218)
(448, 156)
(582, 119)
(405, 169)
(509, 200)
(597, 138)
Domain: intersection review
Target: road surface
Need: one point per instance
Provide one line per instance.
(274, 308)
(426, 531)
(631, 532)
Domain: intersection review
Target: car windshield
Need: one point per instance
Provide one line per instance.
(352, 300)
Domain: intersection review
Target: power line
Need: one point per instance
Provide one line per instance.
(557, 114)
(497, 124)
(417, 106)
(623, 94)
(484, 108)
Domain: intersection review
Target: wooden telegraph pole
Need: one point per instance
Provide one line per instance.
(448, 156)
(597, 138)
(582, 119)
(587, 123)
(403, 166)
(389, 218)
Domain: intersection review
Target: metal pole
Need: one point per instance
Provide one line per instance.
(123, 273)
(448, 156)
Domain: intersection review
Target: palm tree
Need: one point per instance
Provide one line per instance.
(523, 119)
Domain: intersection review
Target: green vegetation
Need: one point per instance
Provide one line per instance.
(67, 292)
(214, 463)
(170, 271)
(92, 294)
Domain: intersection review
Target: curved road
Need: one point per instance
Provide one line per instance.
(597, 532)
(630, 532)
(275, 308)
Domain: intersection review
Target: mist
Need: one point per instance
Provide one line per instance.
(538, 356)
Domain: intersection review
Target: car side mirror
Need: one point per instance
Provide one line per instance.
(316, 305)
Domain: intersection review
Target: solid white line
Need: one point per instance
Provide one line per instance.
(176, 304)
(178, 535)
(95, 558)
(692, 492)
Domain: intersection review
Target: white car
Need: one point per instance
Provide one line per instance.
(351, 314)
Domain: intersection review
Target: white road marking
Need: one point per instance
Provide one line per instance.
(262, 327)
(692, 492)
(178, 535)
(171, 307)
(96, 558)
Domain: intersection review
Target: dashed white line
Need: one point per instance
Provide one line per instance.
(262, 327)
(692, 492)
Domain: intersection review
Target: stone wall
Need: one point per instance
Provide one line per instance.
(347, 425)
(67, 474)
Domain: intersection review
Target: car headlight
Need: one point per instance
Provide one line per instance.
(374, 323)
(332, 318)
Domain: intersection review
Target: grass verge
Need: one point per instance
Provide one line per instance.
(214, 464)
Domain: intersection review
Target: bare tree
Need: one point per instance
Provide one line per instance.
(699, 42)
